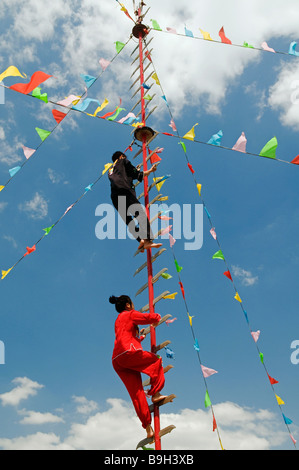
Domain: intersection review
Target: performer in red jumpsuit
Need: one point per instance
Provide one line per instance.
(130, 360)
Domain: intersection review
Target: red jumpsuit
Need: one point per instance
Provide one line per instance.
(130, 360)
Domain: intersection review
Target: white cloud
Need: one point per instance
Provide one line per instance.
(37, 208)
(247, 278)
(38, 441)
(37, 418)
(25, 388)
(85, 406)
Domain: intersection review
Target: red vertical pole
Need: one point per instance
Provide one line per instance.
(149, 252)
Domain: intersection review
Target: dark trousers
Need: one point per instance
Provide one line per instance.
(129, 208)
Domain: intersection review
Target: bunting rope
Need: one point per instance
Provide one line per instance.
(224, 40)
(219, 255)
(33, 86)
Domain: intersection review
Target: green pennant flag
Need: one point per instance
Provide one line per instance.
(48, 229)
(178, 268)
(119, 46)
(261, 357)
(245, 44)
(166, 276)
(42, 133)
(183, 146)
(269, 151)
(218, 255)
(119, 110)
(37, 94)
(156, 25)
(207, 400)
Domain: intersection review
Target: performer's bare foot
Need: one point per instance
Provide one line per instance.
(148, 244)
(149, 432)
(141, 246)
(158, 397)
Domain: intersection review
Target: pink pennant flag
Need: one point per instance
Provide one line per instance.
(28, 152)
(164, 217)
(294, 440)
(171, 30)
(160, 150)
(213, 233)
(240, 145)
(255, 335)
(166, 230)
(267, 48)
(170, 321)
(208, 372)
(104, 63)
(171, 240)
(69, 208)
(67, 101)
(172, 125)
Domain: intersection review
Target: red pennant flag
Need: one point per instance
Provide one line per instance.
(147, 54)
(36, 79)
(214, 424)
(58, 115)
(228, 275)
(296, 160)
(272, 381)
(109, 114)
(155, 158)
(182, 289)
(224, 39)
(129, 148)
(191, 168)
(30, 250)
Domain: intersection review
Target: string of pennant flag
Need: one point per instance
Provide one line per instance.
(269, 150)
(206, 36)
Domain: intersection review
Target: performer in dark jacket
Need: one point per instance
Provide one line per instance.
(123, 196)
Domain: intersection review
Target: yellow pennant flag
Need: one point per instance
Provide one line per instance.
(190, 319)
(158, 185)
(279, 400)
(191, 134)
(107, 166)
(11, 72)
(199, 188)
(206, 35)
(170, 296)
(164, 198)
(100, 108)
(1, 188)
(238, 298)
(155, 77)
(4, 273)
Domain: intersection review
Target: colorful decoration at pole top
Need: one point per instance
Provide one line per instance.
(76, 103)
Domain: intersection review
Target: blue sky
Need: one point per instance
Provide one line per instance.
(56, 322)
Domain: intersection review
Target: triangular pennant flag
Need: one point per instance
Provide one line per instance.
(228, 275)
(287, 420)
(36, 79)
(206, 35)
(28, 152)
(88, 79)
(30, 250)
(169, 352)
(170, 296)
(171, 240)
(265, 46)
(207, 400)
(223, 38)
(279, 400)
(156, 25)
(188, 33)
(191, 134)
(155, 77)
(36, 93)
(166, 276)
(208, 372)
(190, 319)
(272, 381)
(240, 145)
(104, 63)
(182, 289)
(218, 255)
(245, 44)
(183, 146)
(216, 139)
(155, 158)
(178, 268)
(58, 115)
(196, 346)
(199, 186)
(88, 188)
(213, 233)
(119, 46)
(106, 168)
(292, 49)
(269, 151)
(293, 440)
(14, 171)
(42, 133)
(48, 229)
(100, 108)
(238, 298)
(261, 357)
(191, 168)
(255, 335)
(5, 273)
(214, 424)
(166, 230)
(1, 188)
(172, 125)
(11, 72)
(296, 160)
(118, 111)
